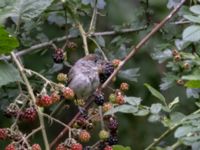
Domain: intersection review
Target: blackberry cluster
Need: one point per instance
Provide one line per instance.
(99, 98)
(112, 126)
(112, 140)
(107, 70)
(58, 55)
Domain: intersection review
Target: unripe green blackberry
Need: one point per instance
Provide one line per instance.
(103, 134)
(112, 98)
(62, 77)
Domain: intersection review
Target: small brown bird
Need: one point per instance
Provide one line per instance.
(84, 75)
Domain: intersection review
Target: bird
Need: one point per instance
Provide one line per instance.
(83, 77)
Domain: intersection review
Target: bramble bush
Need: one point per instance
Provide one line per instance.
(40, 40)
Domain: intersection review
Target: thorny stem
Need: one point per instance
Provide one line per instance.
(64, 38)
(94, 18)
(30, 91)
(101, 117)
(132, 53)
(84, 37)
(168, 131)
(33, 132)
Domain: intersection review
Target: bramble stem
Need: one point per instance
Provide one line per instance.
(30, 91)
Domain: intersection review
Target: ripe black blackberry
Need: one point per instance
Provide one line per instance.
(113, 124)
(29, 114)
(58, 55)
(99, 98)
(107, 70)
(112, 140)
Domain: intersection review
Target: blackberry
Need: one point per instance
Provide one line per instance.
(99, 98)
(12, 111)
(112, 124)
(107, 70)
(3, 133)
(81, 121)
(29, 114)
(112, 140)
(58, 55)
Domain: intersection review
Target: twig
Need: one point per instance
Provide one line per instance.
(84, 37)
(134, 50)
(33, 132)
(30, 91)
(64, 38)
(94, 18)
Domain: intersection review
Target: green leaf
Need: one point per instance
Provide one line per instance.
(142, 112)
(100, 40)
(120, 147)
(24, 9)
(123, 109)
(195, 9)
(155, 108)
(195, 19)
(135, 101)
(191, 77)
(191, 33)
(8, 74)
(7, 42)
(155, 93)
(129, 74)
(193, 84)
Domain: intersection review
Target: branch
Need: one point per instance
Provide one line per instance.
(133, 51)
(30, 91)
(64, 38)
(84, 37)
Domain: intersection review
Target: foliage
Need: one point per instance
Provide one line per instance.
(137, 101)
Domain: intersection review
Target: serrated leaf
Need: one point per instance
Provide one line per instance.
(142, 112)
(195, 19)
(120, 147)
(8, 74)
(123, 109)
(129, 74)
(135, 101)
(193, 84)
(155, 108)
(191, 77)
(195, 9)
(191, 33)
(24, 9)
(7, 42)
(184, 130)
(155, 93)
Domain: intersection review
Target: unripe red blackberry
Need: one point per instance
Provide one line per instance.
(76, 146)
(10, 147)
(36, 147)
(116, 62)
(62, 77)
(108, 148)
(12, 111)
(3, 133)
(107, 70)
(99, 98)
(81, 121)
(55, 97)
(44, 101)
(29, 114)
(112, 140)
(103, 134)
(61, 147)
(58, 55)
(68, 93)
(84, 136)
(124, 86)
(120, 99)
(112, 124)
